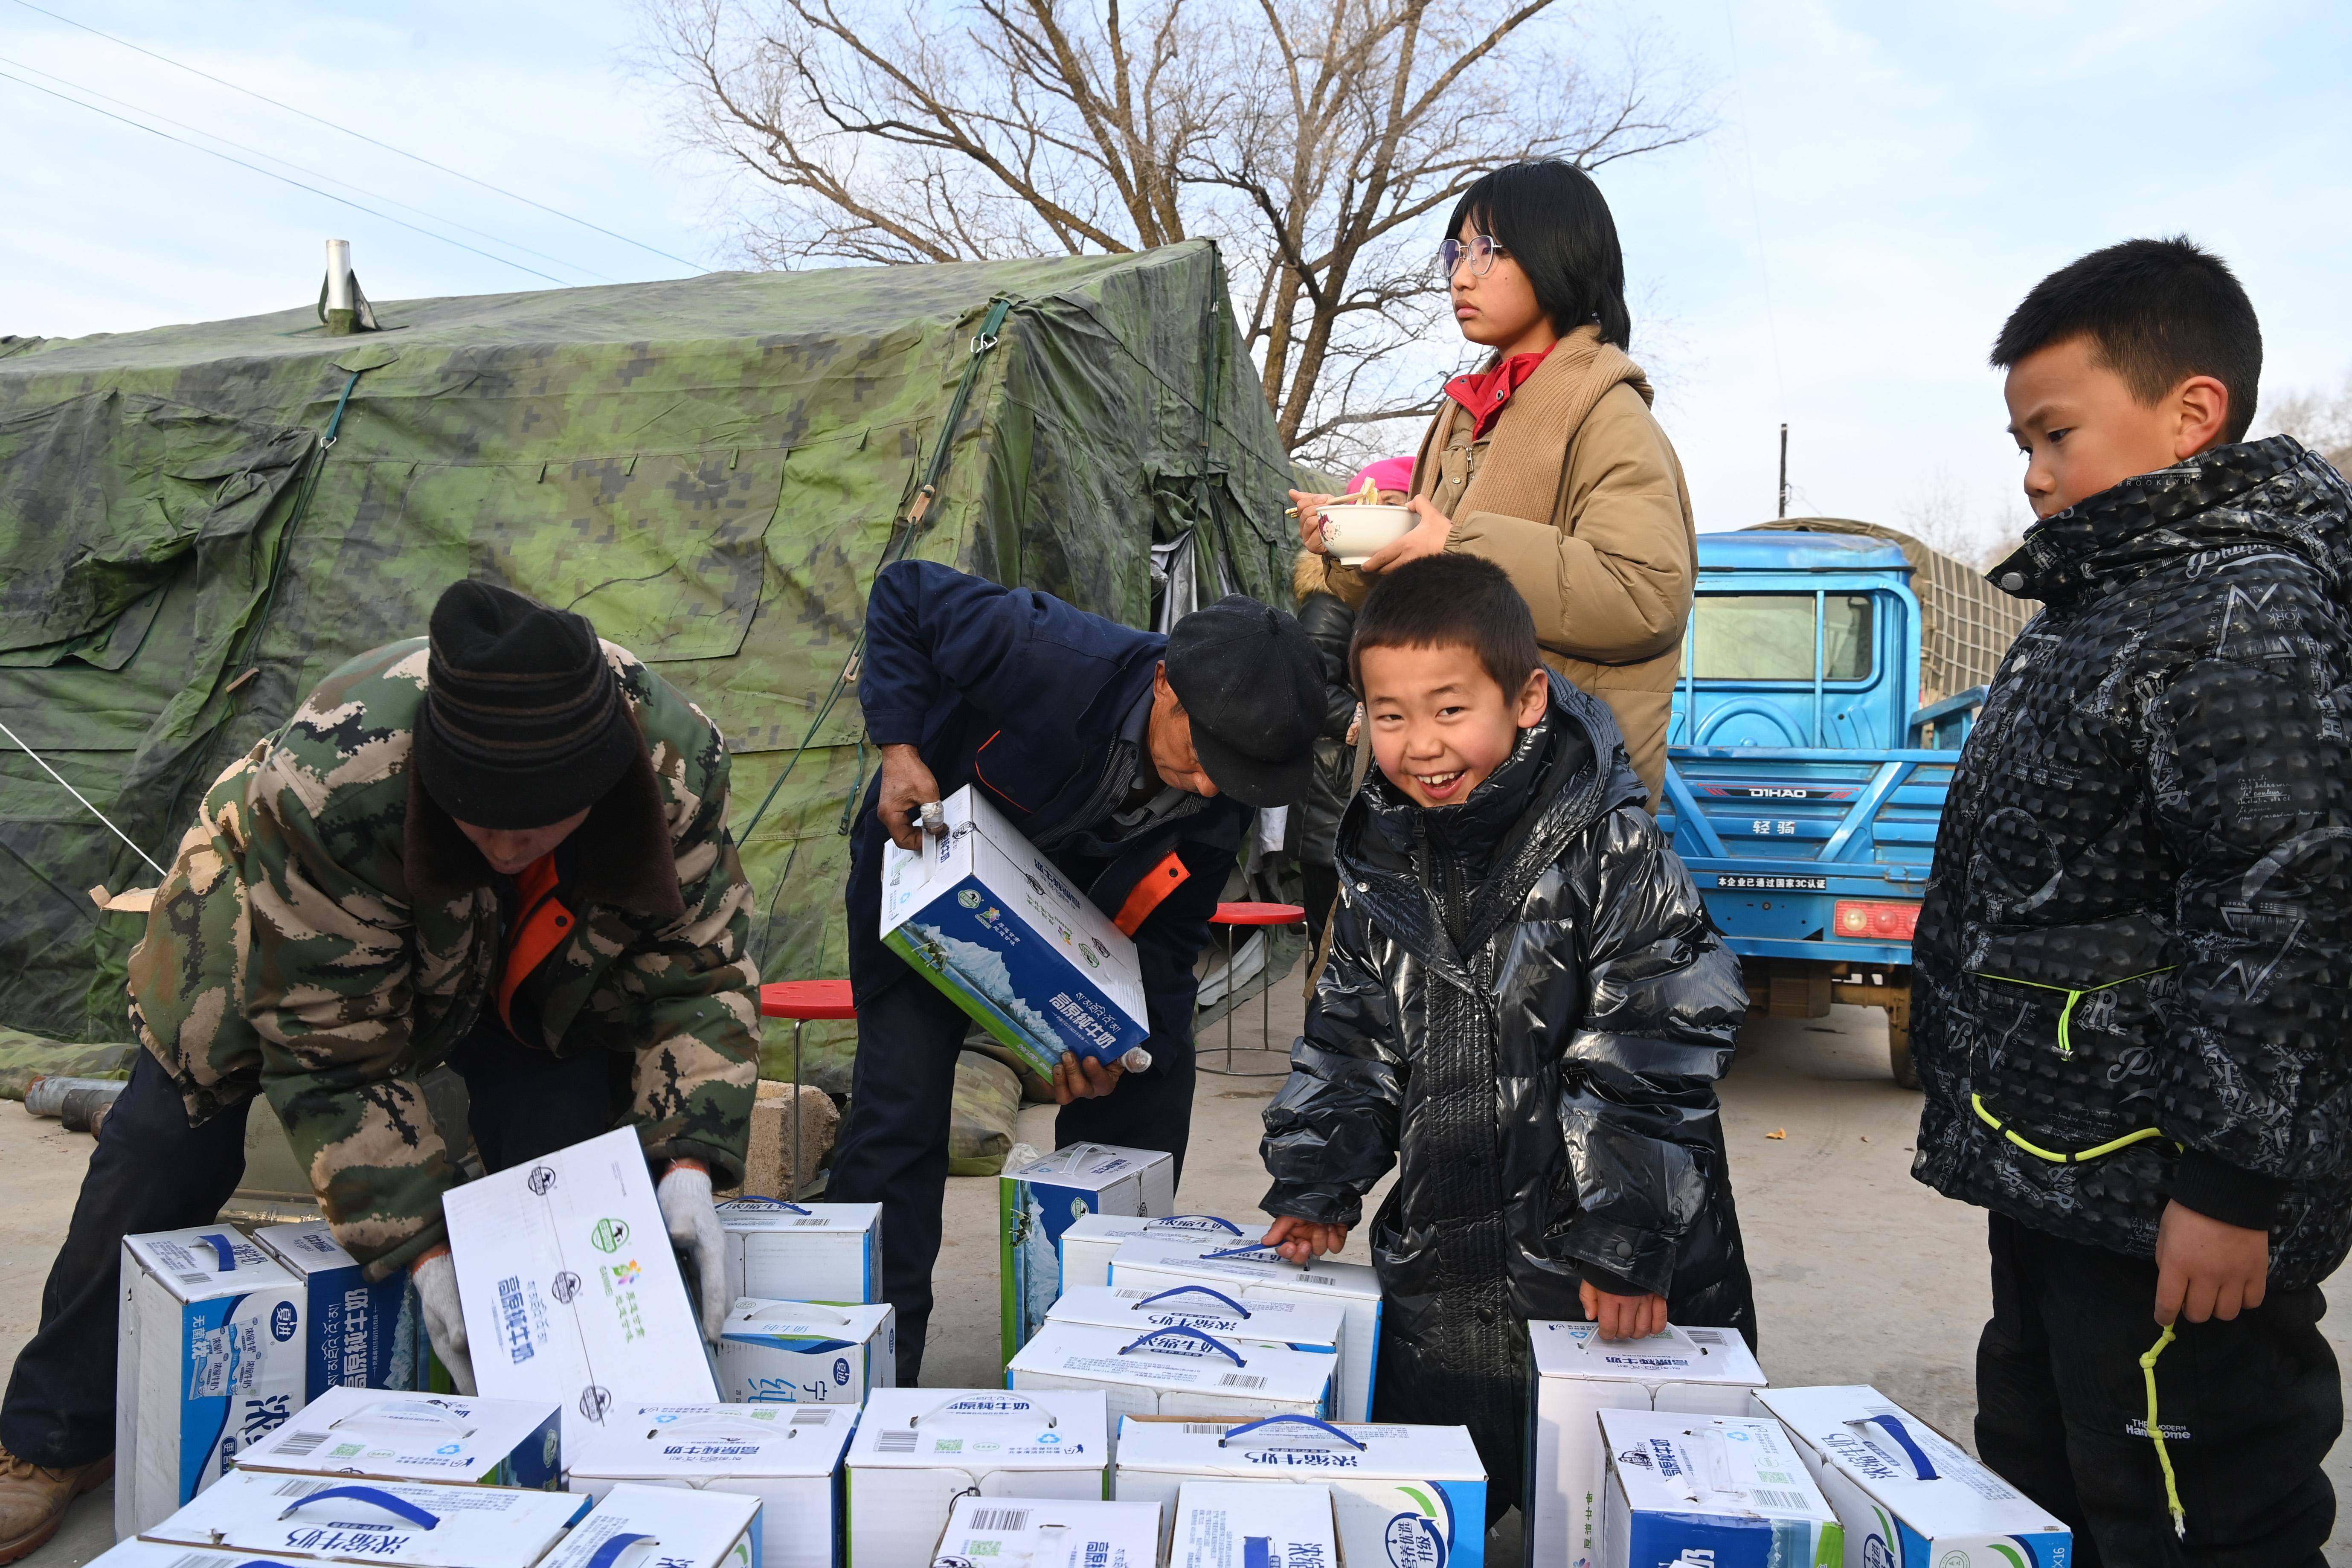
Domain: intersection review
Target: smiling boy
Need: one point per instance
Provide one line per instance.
(2134, 962)
(1525, 1003)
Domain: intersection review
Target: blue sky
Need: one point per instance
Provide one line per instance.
(1882, 184)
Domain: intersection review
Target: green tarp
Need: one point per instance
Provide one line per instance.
(712, 469)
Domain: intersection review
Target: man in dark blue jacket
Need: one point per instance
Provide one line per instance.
(1133, 761)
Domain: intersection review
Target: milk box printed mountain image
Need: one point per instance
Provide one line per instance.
(996, 926)
(1039, 1202)
(361, 1335)
(1726, 1490)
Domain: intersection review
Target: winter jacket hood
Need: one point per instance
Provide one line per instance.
(2135, 958)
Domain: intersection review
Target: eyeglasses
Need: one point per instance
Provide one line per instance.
(1479, 253)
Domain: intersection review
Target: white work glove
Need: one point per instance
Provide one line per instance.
(685, 1198)
(436, 1277)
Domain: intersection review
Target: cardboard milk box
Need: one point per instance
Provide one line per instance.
(1907, 1495)
(1045, 1532)
(787, 1456)
(919, 1450)
(406, 1524)
(1237, 1319)
(361, 1335)
(677, 1526)
(1091, 1239)
(1411, 1495)
(806, 1353)
(208, 1359)
(1037, 1204)
(1237, 1524)
(1252, 1273)
(783, 1251)
(1175, 1371)
(1706, 1372)
(393, 1437)
(996, 926)
(1724, 1491)
(571, 1290)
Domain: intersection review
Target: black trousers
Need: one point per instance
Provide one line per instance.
(2249, 1408)
(893, 1150)
(152, 1171)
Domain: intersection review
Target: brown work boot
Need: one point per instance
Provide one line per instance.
(33, 1499)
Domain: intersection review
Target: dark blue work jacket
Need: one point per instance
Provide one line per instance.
(1015, 691)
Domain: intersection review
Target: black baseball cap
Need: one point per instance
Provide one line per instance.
(1250, 682)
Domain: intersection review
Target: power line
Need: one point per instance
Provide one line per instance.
(272, 174)
(314, 174)
(334, 125)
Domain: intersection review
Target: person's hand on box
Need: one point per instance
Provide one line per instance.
(1087, 1080)
(2207, 1267)
(1624, 1317)
(1300, 1240)
(684, 1195)
(435, 1275)
(907, 787)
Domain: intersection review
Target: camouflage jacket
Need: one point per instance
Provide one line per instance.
(328, 934)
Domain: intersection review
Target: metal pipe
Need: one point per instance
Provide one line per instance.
(1820, 647)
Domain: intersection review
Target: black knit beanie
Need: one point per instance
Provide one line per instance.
(523, 722)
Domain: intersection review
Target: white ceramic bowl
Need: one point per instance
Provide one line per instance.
(1356, 533)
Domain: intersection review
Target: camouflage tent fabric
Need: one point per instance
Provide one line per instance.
(198, 522)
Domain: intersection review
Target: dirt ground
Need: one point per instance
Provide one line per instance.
(1861, 1275)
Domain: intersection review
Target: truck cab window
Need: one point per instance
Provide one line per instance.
(1769, 637)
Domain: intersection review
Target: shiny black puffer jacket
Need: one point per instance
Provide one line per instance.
(1526, 1003)
(2140, 922)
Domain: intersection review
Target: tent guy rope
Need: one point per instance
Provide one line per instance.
(83, 798)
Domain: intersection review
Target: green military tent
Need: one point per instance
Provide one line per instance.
(197, 523)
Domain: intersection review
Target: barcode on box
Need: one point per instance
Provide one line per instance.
(1207, 1428)
(999, 1520)
(1704, 1336)
(1321, 1278)
(300, 1487)
(1129, 1295)
(195, 1279)
(1241, 1380)
(300, 1444)
(201, 1560)
(810, 1220)
(820, 1416)
(1795, 1502)
(895, 1443)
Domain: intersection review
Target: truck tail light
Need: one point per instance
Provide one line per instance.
(1883, 921)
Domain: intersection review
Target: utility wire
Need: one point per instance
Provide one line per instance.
(84, 799)
(274, 174)
(335, 125)
(314, 174)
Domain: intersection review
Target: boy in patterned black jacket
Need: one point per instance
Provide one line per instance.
(2135, 963)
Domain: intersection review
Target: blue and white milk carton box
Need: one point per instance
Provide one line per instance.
(209, 1358)
(806, 1352)
(1039, 1204)
(786, 1456)
(361, 1335)
(1048, 1533)
(996, 926)
(404, 1524)
(1236, 1318)
(1400, 1495)
(1907, 1495)
(1728, 1491)
(678, 1527)
(1250, 1273)
(919, 1450)
(1175, 1371)
(1228, 1524)
(1576, 1374)
(1091, 1239)
(778, 1250)
(402, 1436)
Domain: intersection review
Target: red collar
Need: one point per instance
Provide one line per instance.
(1484, 392)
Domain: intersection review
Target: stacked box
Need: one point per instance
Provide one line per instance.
(1408, 1495)
(209, 1358)
(361, 1335)
(1907, 1496)
(682, 1529)
(406, 1524)
(446, 1437)
(1224, 1524)
(1301, 1324)
(1175, 1371)
(1576, 1373)
(789, 1458)
(1040, 1532)
(1722, 1489)
(1037, 1204)
(784, 1251)
(919, 1450)
(1253, 1273)
(1088, 1244)
(806, 1353)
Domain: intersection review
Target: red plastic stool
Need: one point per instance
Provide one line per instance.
(802, 1001)
(1251, 914)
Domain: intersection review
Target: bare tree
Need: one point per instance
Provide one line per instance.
(2320, 420)
(1319, 142)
